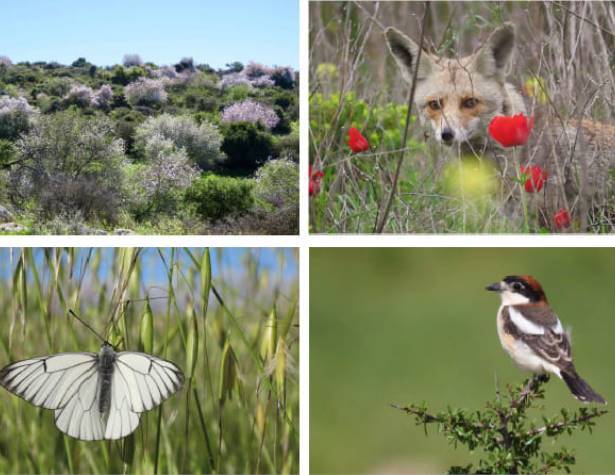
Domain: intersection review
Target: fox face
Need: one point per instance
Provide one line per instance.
(460, 96)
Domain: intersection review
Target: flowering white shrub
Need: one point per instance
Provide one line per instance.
(70, 163)
(15, 114)
(80, 95)
(250, 111)
(132, 60)
(145, 92)
(234, 79)
(103, 96)
(259, 75)
(5, 61)
(201, 142)
(263, 81)
(167, 72)
(255, 70)
(159, 183)
(15, 104)
(170, 167)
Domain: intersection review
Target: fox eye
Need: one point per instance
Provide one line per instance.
(470, 103)
(434, 105)
(517, 286)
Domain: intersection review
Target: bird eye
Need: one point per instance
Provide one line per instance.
(470, 103)
(517, 286)
(434, 105)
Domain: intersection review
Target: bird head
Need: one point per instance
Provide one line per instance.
(519, 289)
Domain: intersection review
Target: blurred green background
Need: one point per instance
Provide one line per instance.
(407, 325)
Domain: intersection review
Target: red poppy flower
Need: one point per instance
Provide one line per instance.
(356, 141)
(562, 218)
(315, 177)
(534, 176)
(510, 131)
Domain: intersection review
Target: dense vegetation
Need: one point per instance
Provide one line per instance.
(411, 183)
(148, 149)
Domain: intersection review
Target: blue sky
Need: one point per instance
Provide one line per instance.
(232, 260)
(211, 31)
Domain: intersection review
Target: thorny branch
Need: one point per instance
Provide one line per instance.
(504, 431)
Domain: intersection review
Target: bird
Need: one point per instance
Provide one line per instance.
(532, 334)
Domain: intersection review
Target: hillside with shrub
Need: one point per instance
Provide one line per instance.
(147, 149)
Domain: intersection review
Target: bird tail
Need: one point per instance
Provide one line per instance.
(579, 388)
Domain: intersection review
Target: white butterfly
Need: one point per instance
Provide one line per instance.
(95, 396)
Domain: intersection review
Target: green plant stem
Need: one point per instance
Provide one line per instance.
(379, 225)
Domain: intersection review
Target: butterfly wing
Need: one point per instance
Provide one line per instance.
(49, 381)
(80, 417)
(67, 383)
(146, 380)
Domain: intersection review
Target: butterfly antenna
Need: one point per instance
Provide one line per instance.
(87, 325)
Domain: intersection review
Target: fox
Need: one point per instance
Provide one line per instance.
(458, 98)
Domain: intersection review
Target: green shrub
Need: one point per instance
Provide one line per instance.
(126, 123)
(287, 146)
(246, 146)
(215, 197)
(120, 76)
(8, 152)
(277, 185)
(383, 126)
(58, 87)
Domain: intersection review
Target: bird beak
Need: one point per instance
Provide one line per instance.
(496, 287)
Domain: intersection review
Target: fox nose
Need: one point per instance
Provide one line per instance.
(447, 134)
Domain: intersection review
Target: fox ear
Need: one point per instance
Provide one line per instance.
(494, 57)
(405, 51)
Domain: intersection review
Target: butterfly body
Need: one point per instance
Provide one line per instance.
(94, 396)
(106, 365)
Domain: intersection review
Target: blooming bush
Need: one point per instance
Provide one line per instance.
(158, 184)
(103, 96)
(15, 114)
(167, 72)
(145, 92)
(234, 79)
(200, 141)
(255, 70)
(263, 81)
(70, 163)
(259, 75)
(79, 95)
(132, 60)
(5, 61)
(250, 111)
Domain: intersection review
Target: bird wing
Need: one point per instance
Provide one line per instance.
(540, 329)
